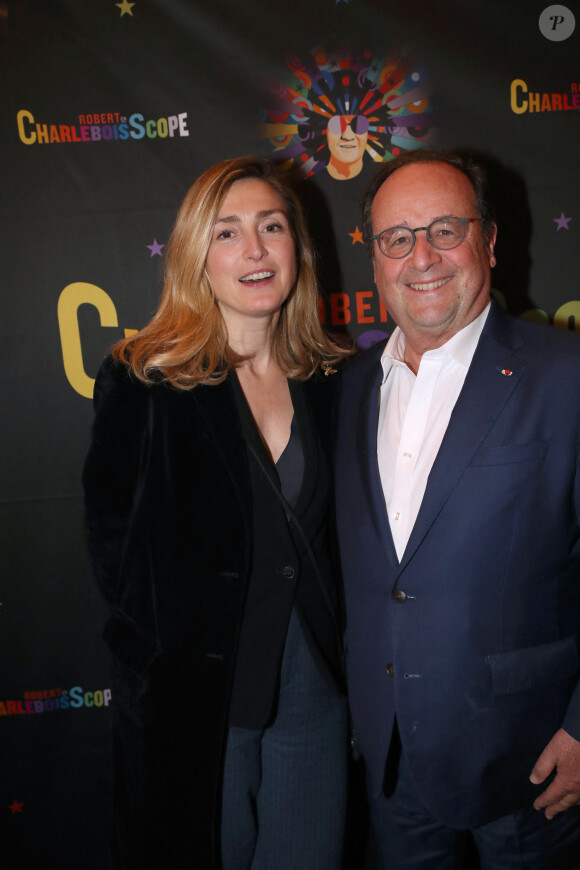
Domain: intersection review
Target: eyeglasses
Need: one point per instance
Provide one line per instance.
(444, 234)
(338, 124)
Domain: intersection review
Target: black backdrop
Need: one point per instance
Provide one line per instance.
(110, 110)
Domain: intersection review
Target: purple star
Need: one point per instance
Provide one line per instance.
(155, 248)
(562, 222)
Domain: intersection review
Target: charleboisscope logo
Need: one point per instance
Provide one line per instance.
(99, 127)
(50, 700)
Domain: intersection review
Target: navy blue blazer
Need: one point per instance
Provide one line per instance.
(484, 644)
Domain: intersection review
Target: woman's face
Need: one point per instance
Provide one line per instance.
(251, 260)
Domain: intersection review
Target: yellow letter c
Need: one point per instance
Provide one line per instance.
(71, 297)
(516, 86)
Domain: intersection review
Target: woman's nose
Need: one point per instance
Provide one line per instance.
(255, 245)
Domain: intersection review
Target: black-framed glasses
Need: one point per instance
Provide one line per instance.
(444, 233)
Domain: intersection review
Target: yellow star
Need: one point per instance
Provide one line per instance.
(125, 8)
(357, 237)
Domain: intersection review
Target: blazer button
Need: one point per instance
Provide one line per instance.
(289, 572)
(390, 669)
(399, 596)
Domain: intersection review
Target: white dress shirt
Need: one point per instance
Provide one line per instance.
(413, 418)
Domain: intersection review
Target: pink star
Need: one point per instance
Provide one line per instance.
(155, 248)
(562, 222)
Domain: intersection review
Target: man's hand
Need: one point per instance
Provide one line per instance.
(562, 753)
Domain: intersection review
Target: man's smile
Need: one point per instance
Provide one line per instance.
(431, 285)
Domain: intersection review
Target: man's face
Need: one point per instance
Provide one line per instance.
(431, 294)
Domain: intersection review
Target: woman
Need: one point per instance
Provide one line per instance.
(207, 488)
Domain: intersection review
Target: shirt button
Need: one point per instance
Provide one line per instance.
(399, 596)
(289, 572)
(390, 669)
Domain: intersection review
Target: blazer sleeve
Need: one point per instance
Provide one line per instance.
(112, 467)
(572, 719)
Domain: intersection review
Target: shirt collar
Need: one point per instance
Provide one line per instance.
(460, 347)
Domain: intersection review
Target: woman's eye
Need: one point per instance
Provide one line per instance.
(273, 228)
(225, 234)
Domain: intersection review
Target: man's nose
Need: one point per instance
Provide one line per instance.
(424, 254)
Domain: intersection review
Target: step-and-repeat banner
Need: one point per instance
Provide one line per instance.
(109, 112)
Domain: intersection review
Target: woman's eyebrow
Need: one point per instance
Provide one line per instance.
(234, 218)
(269, 211)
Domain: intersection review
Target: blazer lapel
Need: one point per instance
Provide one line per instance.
(216, 406)
(494, 374)
(311, 435)
(366, 451)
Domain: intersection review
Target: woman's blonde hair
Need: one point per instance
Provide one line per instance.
(186, 342)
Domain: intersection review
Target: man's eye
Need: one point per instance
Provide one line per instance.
(399, 239)
(446, 233)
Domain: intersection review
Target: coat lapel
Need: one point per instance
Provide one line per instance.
(312, 429)
(366, 451)
(493, 376)
(216, 406)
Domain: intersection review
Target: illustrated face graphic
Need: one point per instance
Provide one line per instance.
(251, 261)
(347, 137)
(346, 102)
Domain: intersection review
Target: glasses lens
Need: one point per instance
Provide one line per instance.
(396, 241)
(446, 233)
(360, 125)
(334, 125)
(338, 124)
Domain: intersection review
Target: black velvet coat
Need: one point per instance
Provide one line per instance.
(168, 511)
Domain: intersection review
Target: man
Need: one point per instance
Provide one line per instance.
(458, 497)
